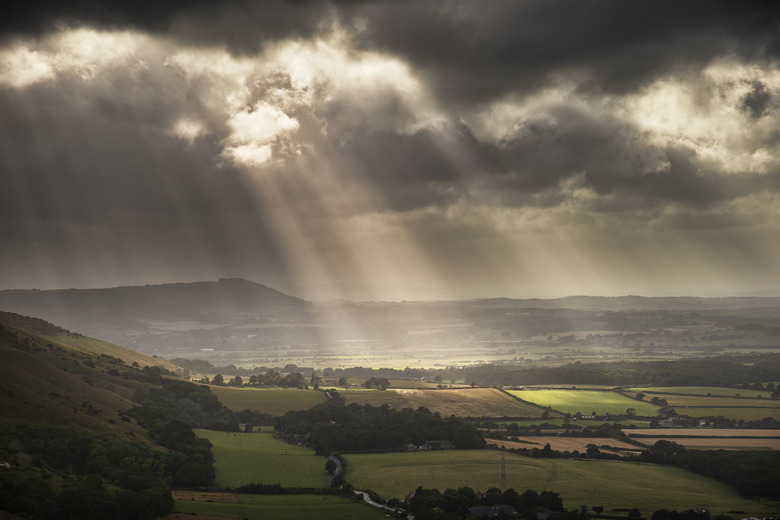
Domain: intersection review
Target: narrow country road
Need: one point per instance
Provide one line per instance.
(370, 502)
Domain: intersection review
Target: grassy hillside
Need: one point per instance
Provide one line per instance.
(54, 377)
(52, 334)
(68, 444)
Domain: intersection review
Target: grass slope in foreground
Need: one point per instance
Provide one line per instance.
(281, 507)
(612, 484)
(243, 458)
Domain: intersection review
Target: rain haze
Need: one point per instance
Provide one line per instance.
(393, 150)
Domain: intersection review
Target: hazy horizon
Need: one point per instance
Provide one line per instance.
(362, 293)
(385, 150)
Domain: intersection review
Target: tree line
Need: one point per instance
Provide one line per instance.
(332, 426)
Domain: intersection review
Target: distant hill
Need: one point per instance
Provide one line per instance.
(123, 314)
(634, 303)
(174, 301)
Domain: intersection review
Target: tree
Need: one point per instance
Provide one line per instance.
(640, 396)
(630, 412)
(237, 381)
(218, 380)
(343, 382)
(377, 382)
(330, 467)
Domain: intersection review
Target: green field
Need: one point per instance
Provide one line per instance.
(463, 402)
(748, 414)
(611, 484)
(274, 401)
(729, 402)
(242, 458)
(283, 507)
(586, 401)
(702, 390)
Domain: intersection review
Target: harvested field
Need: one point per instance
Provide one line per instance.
(718, 443)
(462, 402)
(563, 443)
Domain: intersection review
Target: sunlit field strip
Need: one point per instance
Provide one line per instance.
(586, 401)
(612, 484)
(243, 458)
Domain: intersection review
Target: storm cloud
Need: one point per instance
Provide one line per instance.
(510, 148)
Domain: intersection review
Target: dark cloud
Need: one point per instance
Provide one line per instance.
(469, 51)
(24, 18)
(476, 53)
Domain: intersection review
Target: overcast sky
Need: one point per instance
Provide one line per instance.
(393, 149)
